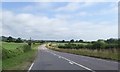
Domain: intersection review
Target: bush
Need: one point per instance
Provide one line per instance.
(71, 46)
(98, 45)
(95, 45)
(111, 46)
(26, 48)
(80, 46)
(88, 46)
(18, 40)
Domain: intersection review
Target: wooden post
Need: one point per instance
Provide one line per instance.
(29, 42)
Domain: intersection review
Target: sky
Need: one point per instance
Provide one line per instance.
(60, 20)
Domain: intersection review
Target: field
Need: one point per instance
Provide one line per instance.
(17, 56)
(111, 54)
(57, 44)
(12, 46)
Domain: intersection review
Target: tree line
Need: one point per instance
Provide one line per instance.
(99, 44)
(19, 40)
(11, 39)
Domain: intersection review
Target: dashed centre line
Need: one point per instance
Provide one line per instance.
(72, 62)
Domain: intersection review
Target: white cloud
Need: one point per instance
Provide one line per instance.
(39, 6)
(41, 27)
(82, 14)
(63, 16)
(74, 6)
(69, 7)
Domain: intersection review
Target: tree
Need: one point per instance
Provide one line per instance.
(63, 40)
(18, 40)
(76, 41)
(98, 45)
(111, 40)
(100, 40)
(119, 43)
(80, 40)
(10, 39)
(72, 40)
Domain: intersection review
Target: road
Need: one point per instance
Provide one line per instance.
(53, 60)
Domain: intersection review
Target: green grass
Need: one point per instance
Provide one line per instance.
(15, 62)
(11, 46)
(0, 64)
(21, 61)
(67, 43)
(12, 49)
(56, 44)
(81, 43)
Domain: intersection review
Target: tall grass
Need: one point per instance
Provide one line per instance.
(102, 53)
(7, 53)
(19, 57)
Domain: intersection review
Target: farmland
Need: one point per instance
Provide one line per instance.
(12, 46)
(17, 55)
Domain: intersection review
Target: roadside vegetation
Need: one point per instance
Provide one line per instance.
(106, 49)
(18, 54)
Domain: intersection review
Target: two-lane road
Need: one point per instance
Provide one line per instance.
(53, 60)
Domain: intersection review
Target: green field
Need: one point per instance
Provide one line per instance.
(56, 44)
(12, 46)
(14, 56)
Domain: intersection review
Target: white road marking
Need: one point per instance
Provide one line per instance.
(31, 67)
(72, 62)
(59, 56)
(83, 66)
(54, 54)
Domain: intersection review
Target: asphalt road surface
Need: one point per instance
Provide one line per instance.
(53, 60)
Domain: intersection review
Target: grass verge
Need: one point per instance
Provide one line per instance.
(104, 54)
(22, 61)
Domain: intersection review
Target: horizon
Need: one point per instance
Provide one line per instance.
(58, 40)
(89, 21)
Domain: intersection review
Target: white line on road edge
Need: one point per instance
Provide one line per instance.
(72, 62)
(30, 67)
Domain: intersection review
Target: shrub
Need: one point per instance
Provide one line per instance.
(98, 45)
(26, 48)
(111, 46)
(95, 45)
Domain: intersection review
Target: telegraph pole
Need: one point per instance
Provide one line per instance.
(30, 42)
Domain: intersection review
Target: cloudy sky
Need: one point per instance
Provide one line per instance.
(60, 20)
